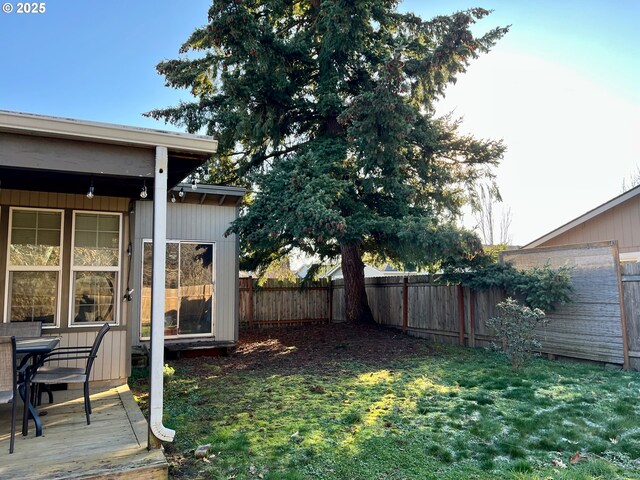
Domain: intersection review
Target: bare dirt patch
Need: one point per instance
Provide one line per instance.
(318, 347)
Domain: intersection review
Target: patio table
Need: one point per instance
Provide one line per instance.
(32, 348)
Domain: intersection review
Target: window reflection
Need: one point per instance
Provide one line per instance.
(188, 289)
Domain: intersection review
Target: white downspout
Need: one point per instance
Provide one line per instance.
(157, 431)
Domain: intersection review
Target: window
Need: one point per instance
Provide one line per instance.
(188, 289)
(95, 267)
(34, 265)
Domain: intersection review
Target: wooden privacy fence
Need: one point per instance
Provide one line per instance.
(451, 314)
(602, 323)
(592, 325)
(630, 279)
(414, 304)
(283, 303)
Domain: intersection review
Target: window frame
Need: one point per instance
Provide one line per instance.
(30, 268)
(211, 334)
(86, 268)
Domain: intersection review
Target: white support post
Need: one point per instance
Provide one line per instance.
(157, 431)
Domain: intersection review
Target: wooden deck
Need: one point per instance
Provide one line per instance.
(113, 446)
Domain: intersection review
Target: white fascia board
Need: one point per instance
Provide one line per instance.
(212, 189)
(34, 124)
(585, 217)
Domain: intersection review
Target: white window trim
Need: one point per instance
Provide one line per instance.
(84, 268)
(24, 268)
(213, 297)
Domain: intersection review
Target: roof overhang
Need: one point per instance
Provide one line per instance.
(60, 127)
(221, 195)
(66, 154)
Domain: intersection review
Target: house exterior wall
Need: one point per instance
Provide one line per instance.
(112, 363)
(198, 223)
(621, 223)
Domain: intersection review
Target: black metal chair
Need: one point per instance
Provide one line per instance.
(58, 375)
(9, 381)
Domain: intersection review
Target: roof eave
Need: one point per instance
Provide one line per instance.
(34, 124)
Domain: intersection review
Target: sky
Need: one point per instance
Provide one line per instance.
(562, 88)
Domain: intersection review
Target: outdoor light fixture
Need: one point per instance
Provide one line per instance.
(194, 185)
(143, 192)
(90, 192)
(181, 193)
(173, 198)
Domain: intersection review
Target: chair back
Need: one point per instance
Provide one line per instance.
(21, 329)
(8, 376)
(96, 346)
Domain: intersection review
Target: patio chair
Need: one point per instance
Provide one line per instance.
(9, 381)
(21, 329)
(58, 375)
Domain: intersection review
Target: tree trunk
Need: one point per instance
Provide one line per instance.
(355, 295)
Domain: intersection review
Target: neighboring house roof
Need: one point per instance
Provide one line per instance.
(369, 271)
(629, 194)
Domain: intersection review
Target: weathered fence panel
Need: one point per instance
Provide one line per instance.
(596, 325)
(430, 311)
(631, 292)
(282, 303)
(592, 325)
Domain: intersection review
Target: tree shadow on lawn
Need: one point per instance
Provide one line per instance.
(353, 401)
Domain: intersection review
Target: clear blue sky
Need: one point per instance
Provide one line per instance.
(96, 61)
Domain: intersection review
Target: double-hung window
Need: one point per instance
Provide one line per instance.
(95, 267)
(34, 265)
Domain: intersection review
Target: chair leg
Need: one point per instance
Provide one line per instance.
(87, 402)
(47, 388)
(25, 417)
(13, 423)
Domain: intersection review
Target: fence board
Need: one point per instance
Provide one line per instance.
(277, 303)
(590, 326)
(631, 293)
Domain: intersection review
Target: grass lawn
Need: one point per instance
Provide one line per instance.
(341, 402)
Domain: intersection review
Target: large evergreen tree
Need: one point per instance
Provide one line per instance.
(326, 107)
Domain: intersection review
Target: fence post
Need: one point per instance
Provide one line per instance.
(405, 304)
(472, 318)
(461, 315)
(250, 305)
(623, 318)
(330, 289)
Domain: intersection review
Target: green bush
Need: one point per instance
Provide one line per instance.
(515, 328)
(540, 287)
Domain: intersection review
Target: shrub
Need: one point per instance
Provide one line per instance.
(515, 327)
(539, 287)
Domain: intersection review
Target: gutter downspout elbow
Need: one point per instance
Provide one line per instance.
(157, 431)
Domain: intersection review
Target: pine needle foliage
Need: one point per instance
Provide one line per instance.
(327, 109)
